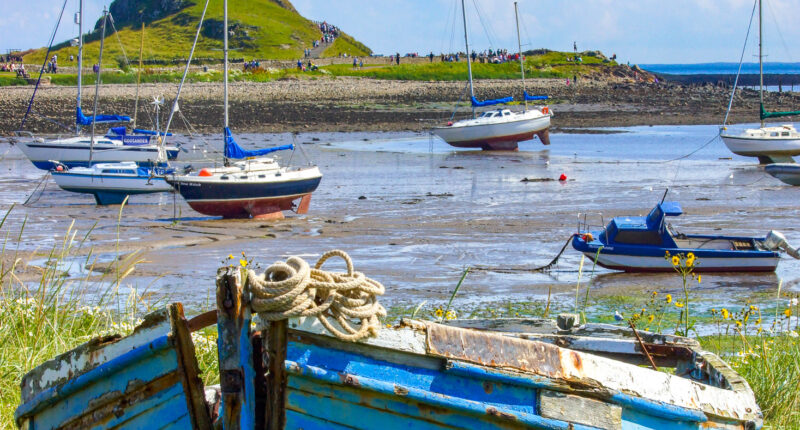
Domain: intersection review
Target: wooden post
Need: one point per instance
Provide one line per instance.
(276, 341)
(236, 372)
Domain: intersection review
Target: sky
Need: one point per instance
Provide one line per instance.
(641, 31)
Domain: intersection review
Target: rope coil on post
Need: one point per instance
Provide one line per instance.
(294, 289)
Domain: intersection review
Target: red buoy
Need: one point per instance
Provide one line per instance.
(563, 177)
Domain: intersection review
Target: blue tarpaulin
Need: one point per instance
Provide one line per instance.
(530, 97)
(233, 150)
(477, 103)
(82, 119)
(150, 132)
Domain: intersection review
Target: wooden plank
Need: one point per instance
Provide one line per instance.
(276, 377)
(189, 369)
(235, 351)
(580, 410)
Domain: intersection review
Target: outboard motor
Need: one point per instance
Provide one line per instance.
(777, 241)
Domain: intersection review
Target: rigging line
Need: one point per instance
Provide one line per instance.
(116, 33)
(741, 59)
(445, 28)
(453, 28)
(486, 29)
(186, 71)
(44, 62)
(463, 94)
(33, 112)
(780, 34)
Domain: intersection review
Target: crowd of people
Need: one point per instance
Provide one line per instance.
(251, 65)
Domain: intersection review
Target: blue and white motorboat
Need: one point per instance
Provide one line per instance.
(110, 183)
(639, 244)
(788, 173)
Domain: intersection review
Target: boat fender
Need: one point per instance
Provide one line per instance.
(204, 172)
(545, 110)
(587, 237)
(449, 123)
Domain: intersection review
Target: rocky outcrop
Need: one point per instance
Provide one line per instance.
(135, 12)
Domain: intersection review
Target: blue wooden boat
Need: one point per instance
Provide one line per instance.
(639, 244)
(294, 374)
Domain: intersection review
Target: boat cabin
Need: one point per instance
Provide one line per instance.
(497, 113)
(650, 230)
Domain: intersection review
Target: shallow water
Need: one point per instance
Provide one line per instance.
(413, 213)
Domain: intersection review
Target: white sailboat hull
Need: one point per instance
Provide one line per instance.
(495, 133)
(753, 146)
(110, 183)
(74, 152)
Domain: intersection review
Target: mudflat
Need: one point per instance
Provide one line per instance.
(362, 104)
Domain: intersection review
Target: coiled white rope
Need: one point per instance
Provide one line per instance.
(293, 289)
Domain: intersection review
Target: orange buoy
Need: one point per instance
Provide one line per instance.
(204, 172)
(545, 109)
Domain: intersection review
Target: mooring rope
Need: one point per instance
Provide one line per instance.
(514, 269)
(293, 289)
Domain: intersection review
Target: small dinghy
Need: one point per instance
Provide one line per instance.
(639, 244)
(788, 173)
(329, 372)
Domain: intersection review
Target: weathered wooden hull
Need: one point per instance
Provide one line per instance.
(468, 374)
(147, 379)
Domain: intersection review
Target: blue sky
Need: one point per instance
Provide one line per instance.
(642, 31)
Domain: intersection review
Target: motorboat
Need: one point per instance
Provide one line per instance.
(788, 173)
(642, 243)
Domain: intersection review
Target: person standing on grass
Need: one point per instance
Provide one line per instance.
(397, 57)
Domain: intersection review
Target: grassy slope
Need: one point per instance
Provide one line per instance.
(281, 34)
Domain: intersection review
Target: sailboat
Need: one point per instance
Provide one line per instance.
(770, 144)
(115, 145)
(256, 186)
(499, 129)
(110, 183)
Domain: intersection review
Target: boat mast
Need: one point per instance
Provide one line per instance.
(97, 85)
(225, 72)
(521, 64)
(80, 59)
(138, 79)
(469, 61)
(760, 60)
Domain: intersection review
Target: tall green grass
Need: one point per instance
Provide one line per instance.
(56, 312)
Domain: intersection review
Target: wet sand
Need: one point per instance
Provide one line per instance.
(413, 213)
(354, 104)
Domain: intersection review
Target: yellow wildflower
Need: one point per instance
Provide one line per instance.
(738, 323)
(451, 315)
(690, 261)
(788, 312)
(676, 261)
(655, 293)
(243, 262)
(679, 304)
(690, 255)
(758, 321)
(699, 278)
(650, 318)
(438, 313)
(725, 313)
(230, 256)
(669, 298)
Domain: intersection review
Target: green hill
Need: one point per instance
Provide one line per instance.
(263, 29)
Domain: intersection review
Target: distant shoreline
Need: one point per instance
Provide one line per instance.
(361, 104)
